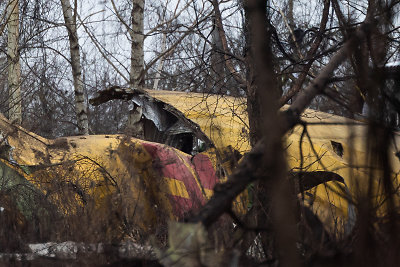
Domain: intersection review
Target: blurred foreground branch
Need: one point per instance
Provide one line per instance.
(257, 162)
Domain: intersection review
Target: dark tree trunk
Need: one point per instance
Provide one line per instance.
(255, 99)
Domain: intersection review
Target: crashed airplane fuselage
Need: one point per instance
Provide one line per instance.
(204, 136)
(329, 160)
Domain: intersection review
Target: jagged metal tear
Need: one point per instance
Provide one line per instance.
(158, 115)
(152, 111)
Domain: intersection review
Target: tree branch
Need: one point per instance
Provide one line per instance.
(253, 165)
(228, 62)
(299, 82)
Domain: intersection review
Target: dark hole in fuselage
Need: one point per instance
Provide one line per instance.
(338, 148)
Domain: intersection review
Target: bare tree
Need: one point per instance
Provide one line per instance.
(80, 104)
(136, 74)
(14, 67)
(164, 44)
(137, 41)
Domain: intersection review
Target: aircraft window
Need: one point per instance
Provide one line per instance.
(338, 148)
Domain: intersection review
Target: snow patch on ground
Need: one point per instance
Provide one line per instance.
(70, 250)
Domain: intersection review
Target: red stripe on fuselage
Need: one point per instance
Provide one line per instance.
(170, 165)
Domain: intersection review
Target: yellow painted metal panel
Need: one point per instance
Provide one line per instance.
(224, 120)
(175, 188)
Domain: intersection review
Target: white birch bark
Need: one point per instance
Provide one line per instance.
(137, 39)
(134, 126)
(161, 63)
(14, 67)
(80, 104)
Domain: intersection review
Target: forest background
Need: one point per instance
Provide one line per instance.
(335, 56)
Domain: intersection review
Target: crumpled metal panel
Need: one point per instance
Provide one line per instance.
(153, 111)
(222, 119)
(178, 128)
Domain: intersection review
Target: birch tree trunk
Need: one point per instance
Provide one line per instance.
(134, 125)
(14, 67)
(80, 104)
(137, 39)
(161, 63)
